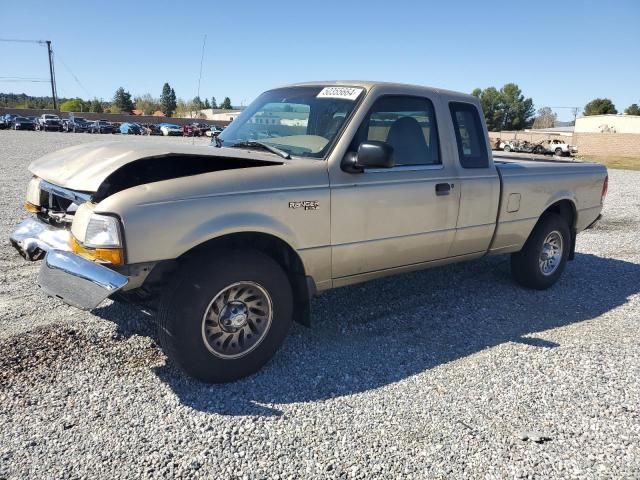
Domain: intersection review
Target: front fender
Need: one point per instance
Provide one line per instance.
(238, 222)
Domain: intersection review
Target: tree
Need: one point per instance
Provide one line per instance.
(73, 105)
(518, 111)
(147, 105)
(506, 109)
(546, 118)
(96, 106)
(214, 105)
(632, 109)
(168, 100)
(491, 106)
(197, 103)
(599, 106)
(226, 104)
(122, 101)
(207, 105)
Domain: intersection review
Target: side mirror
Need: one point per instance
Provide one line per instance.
(371, 154)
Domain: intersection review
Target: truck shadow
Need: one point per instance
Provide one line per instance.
(375, 334)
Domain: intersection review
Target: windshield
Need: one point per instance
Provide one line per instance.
(22, 119)
(301, 121)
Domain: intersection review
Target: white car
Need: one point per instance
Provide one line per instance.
(170, 129)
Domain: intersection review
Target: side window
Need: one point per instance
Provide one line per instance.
(408, 125)
(472, 149)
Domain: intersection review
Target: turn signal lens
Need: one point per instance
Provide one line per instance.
(30, 207)
(605, 187)
(113, 256)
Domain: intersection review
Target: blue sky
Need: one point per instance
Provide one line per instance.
(560, 53)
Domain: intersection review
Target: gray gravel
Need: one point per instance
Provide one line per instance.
(449, 373)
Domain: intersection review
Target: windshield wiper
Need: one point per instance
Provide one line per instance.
(266, 146)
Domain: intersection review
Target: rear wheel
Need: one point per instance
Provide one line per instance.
(543, 258)
(507, 148)
(558, 152)
(224, 317)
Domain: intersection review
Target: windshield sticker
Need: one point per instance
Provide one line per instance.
(346, 93)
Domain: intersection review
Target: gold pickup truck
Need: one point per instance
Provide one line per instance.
(314, 186)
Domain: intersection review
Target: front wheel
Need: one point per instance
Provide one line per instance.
(224, 317)
(544, 256)
(558, 152)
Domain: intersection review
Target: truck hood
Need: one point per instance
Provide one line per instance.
(86, 167)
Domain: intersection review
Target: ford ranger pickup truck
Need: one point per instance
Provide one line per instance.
(314, 186)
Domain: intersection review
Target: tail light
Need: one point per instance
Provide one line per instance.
(605, 188)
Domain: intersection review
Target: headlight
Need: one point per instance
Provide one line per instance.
(33, 192)
(102, 232)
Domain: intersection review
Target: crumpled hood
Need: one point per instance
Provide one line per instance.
(85, 167)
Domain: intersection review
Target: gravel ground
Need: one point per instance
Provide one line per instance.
(453, 372)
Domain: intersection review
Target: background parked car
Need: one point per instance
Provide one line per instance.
(128, 128)
(170, 129)
(150, 129)
(115, 127)
(213, 131)
(22, 123)
(6, 119)
(75, 124)
(48, 121)
(101, 126)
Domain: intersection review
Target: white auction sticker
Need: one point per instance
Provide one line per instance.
(346, 93)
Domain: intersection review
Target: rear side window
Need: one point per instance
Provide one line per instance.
(472, 149)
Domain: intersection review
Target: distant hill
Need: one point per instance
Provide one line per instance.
(22, 100)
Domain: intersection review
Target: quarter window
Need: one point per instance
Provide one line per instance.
(472, 149)
(408, 125)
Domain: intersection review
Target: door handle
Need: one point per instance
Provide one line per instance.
(443, 188)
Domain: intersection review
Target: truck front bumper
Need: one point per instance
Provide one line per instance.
(34, 238)
(63, 274)
(78, 282)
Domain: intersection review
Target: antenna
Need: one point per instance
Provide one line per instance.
(204, 42)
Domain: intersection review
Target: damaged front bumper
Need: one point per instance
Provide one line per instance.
(63, 274)
(34, 238)
(78, 282)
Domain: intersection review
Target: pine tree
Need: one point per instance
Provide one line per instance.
(122, 101)
(168, 100)
(214, 105)
(226, 104)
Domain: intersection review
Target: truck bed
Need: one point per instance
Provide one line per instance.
(530, 187)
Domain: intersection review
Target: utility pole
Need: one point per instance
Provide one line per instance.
(51, 69)
(53, 80)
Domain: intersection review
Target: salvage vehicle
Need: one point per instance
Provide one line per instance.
(6, 119)
(129, 128)
(47, 121)
(350, 181)
(556, 147)
(168, 129)
(75, 124)
(22, 123)
(101, 126)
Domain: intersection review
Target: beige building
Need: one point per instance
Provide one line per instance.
(608, 124)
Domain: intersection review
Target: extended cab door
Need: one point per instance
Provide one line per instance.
(478, 179)
(385, 218)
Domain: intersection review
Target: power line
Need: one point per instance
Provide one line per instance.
(74, 76)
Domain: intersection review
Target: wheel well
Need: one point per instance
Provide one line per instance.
(567, 210)
(279, 251)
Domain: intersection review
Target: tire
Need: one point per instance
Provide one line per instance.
(558, 152)
(197, 344)
(507, 148)
(528, 266)
(539, 150)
